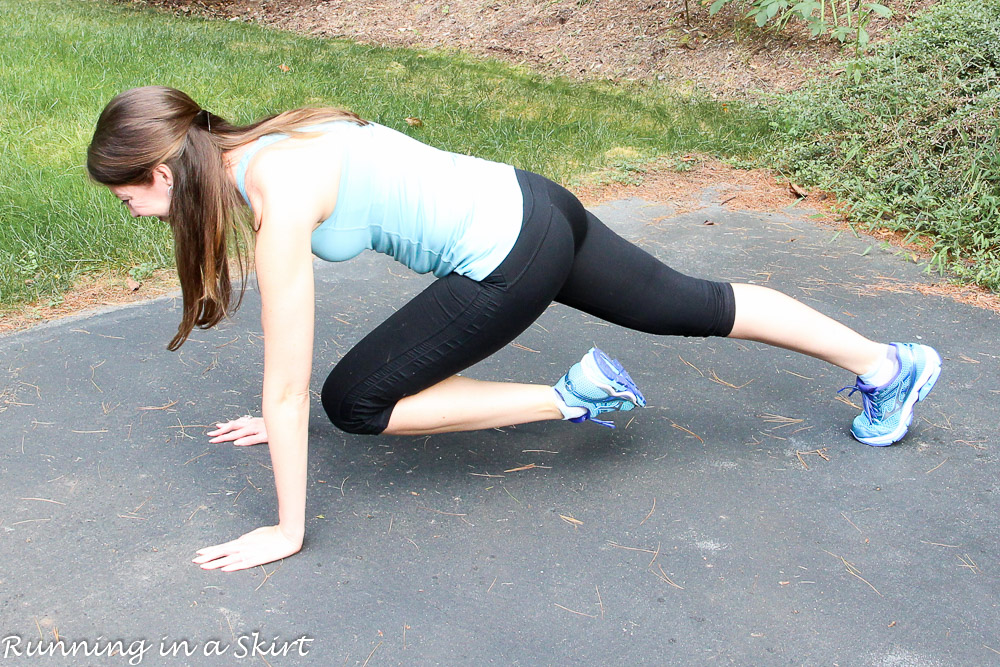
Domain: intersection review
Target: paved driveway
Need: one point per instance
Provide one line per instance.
(734, 521)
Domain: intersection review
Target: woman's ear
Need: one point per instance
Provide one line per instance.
(164, 173)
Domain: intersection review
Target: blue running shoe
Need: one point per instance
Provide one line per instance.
(888, 410)
(599, 384)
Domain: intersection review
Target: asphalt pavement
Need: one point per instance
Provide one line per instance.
(734, 521)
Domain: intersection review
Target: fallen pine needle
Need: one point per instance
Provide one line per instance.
(578, 613)
(18, 523)
(655, 556)
(522, 347)
(510, 494)
(93, 373)
(267, 575)
(681, 428)
(162, 407)
(650, 511)
(484, 474)
(797, 375)
(939, 544)
(527, 467)
(571, 520)
(600, 602)
(975, 444)
(779, 419)
(620, 546)
(103, 430)
(821, 452)
(491, 585)
(851, 522)
(371, 654)
(429, 509)
(847, 401)
(853, 571)
(969, 563)
(45, 500)
(663, 575)
(937, 466)
(691, 365)
(717, 379)
(219, 347)
(197, 457)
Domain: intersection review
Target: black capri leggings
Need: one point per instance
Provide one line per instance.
(564, 254)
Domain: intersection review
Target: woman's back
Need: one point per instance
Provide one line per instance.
(432, 210)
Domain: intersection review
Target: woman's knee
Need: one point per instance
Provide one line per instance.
(354, 412)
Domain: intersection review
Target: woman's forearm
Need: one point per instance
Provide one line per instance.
(287, 422)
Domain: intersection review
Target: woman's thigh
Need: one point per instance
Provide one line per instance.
(453, 324)
(625, 285)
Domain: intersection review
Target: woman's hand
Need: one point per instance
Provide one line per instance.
(257, 547)
(241, 432)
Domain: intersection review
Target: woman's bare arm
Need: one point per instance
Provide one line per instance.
(284, 273)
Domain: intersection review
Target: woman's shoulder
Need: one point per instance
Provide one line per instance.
(289, 176)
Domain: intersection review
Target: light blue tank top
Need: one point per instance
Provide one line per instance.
(431, 210)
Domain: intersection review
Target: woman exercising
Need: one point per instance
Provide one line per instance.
(503, 244)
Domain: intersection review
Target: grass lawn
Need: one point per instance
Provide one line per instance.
(62, 60)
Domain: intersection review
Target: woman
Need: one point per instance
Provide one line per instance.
(503, 243)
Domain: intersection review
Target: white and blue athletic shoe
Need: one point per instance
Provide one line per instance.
(888, 410)
(598, 384)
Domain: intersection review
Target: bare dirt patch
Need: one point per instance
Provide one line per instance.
(725, 55)
(682, 183)
(91, 291)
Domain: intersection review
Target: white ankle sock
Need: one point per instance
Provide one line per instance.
(885, 369)
(568, 411)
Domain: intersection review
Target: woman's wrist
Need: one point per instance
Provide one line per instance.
(293, 532)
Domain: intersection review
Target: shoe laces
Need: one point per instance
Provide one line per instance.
(869, 399)
(587, 417)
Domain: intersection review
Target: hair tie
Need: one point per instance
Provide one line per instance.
(204, 118)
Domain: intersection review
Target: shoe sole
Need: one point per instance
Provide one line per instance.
(591, 368)
(924, 384)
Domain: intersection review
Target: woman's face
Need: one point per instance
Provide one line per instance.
(152, 199)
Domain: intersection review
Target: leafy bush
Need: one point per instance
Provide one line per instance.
(913, 146)
(844, 20)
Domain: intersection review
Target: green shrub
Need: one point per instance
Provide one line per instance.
(843, 20)
(913, 146)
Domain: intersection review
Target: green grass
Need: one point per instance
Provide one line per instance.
(62, 60)
(914, 146)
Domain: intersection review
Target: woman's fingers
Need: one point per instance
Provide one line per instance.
(211, 558)
(223, 427)
(257, 547)
(211, 553)
(241, 432)
(232, 434)
(253, 439)
(223, 563)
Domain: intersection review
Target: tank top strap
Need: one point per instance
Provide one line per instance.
(241, 167)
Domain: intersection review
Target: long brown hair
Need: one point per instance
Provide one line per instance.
(145, 127)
